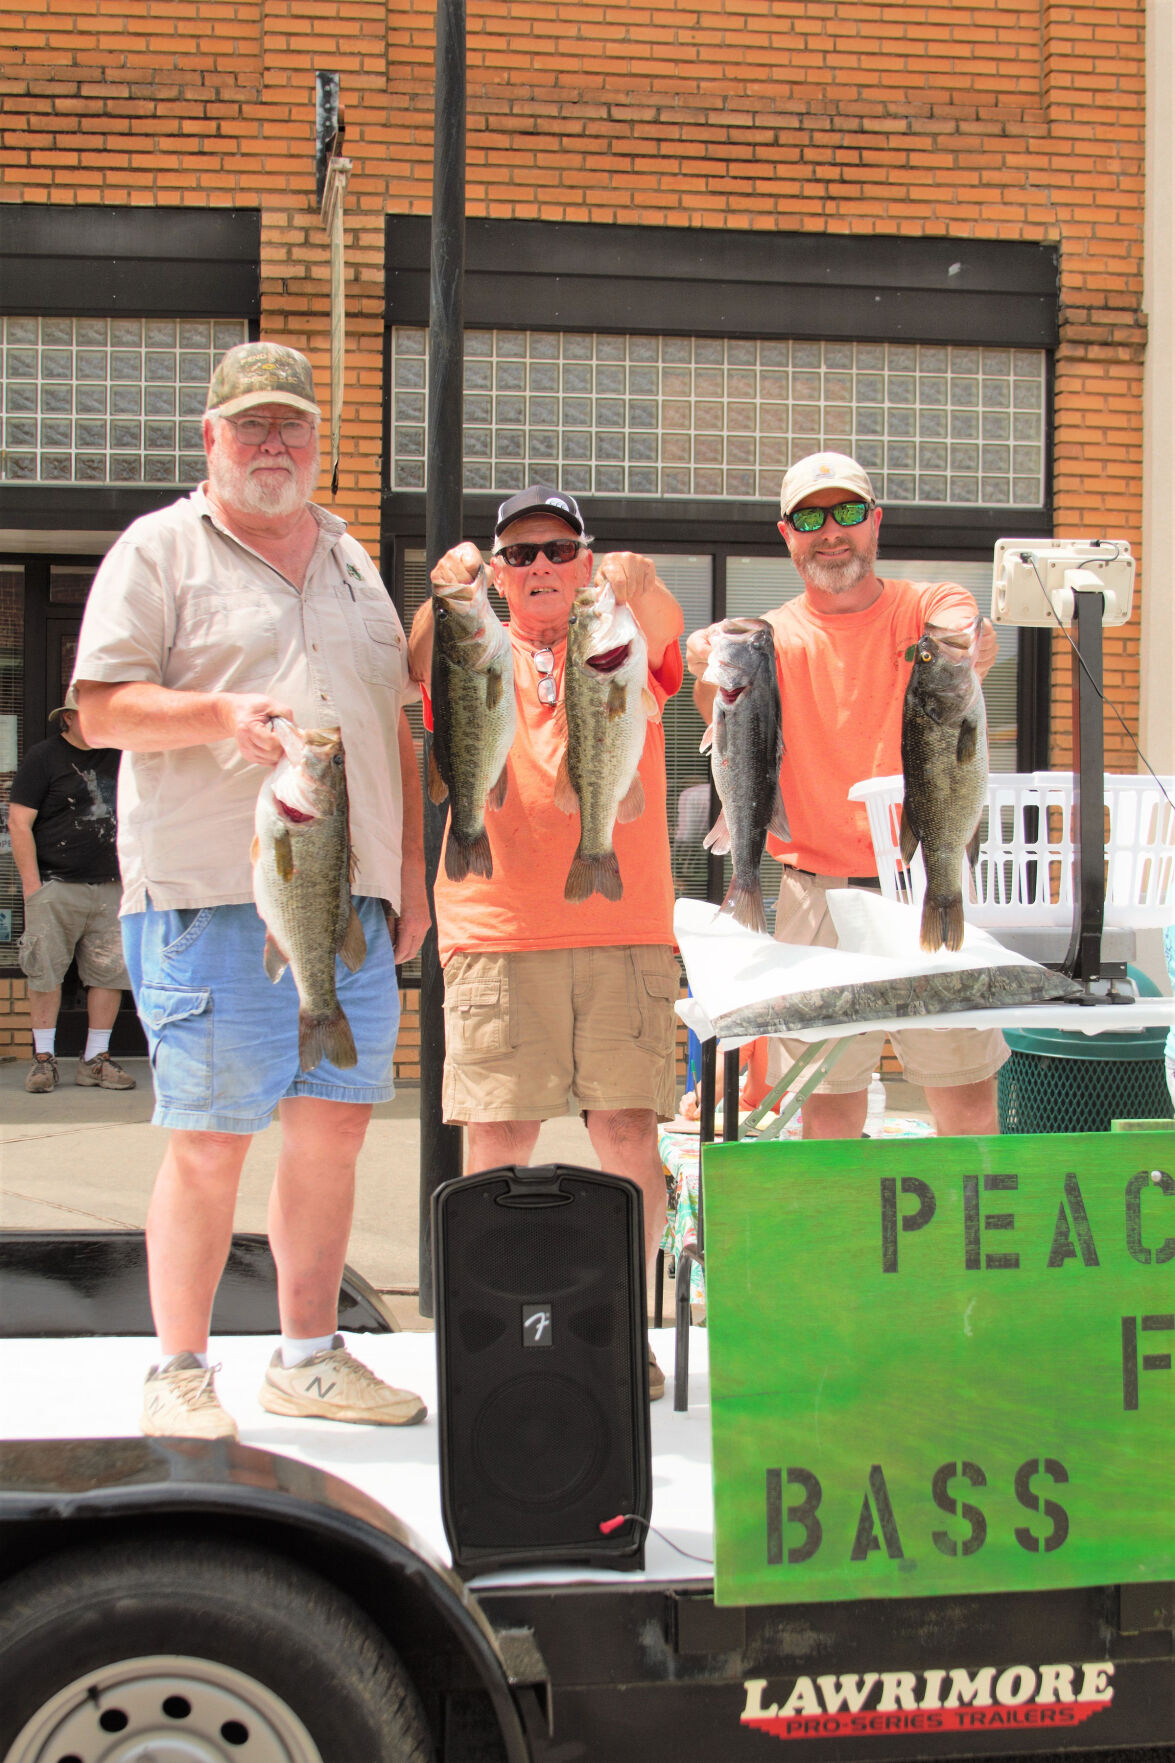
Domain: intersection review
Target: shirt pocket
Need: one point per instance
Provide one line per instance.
(380, 650)
(226, 640)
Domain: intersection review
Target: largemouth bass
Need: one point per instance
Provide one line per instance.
(745, 743)
(927, 994)
(944, 763)
(605, 711)
(302, 886)
(472, 688)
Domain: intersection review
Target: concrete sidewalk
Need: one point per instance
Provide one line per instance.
(86, 1159)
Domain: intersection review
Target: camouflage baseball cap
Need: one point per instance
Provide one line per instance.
(262, 373)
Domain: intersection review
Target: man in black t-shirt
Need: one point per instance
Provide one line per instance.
(61, 817)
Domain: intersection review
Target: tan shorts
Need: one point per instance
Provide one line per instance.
(62, 919)
(938, 1058)
(533, 1035)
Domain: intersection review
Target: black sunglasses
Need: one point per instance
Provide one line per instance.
(810, 520)
(555, 551)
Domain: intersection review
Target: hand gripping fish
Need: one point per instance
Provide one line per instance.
(745, 743)
(472, 690)
(605, 712)
(302, 872)
(944, 763)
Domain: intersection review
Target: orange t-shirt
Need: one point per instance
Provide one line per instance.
(521, 906)
(842, 680)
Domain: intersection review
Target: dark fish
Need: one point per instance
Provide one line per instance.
(472, 689)
(606, 710)
(302, 886)
(745, 743)
(944, 764)
(927, 994)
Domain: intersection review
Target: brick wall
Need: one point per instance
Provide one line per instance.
(1016, 119)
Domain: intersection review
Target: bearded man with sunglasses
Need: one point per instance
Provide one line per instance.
(550, 1003)
(839, 651)
(238, 604)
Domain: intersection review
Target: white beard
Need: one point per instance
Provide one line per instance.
(238, 487)
(840, 577)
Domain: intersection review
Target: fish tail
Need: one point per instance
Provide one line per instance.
(942, 923)
(468, 856)
(744, 899)
(325, 1036)
(593, 875)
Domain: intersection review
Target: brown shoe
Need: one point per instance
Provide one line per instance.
(656, 1379)
(102, 1073)
(42, 1074)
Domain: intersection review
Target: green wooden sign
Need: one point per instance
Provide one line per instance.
(941, 1366)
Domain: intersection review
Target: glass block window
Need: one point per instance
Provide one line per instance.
(107, 400)
(723, 417)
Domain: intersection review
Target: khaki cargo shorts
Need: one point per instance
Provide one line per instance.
(545, 1032)
(62, 919)
(936, 1057)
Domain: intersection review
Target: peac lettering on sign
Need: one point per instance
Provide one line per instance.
(1147, 1181)
(1072, 1222)
(973, 1222)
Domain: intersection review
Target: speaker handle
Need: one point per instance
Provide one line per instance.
(537, 1185)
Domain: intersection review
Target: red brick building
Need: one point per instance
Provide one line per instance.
(701, 242)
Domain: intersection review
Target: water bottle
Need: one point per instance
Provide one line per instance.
(875, 1110)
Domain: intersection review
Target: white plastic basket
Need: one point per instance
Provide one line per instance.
(1024, 873)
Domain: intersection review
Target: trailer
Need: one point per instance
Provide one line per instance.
(290, 1597)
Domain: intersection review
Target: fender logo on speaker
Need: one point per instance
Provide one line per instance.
(538, 1325)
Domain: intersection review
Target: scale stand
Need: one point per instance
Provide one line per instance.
(1103, 981)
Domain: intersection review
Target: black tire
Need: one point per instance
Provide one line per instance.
(251, 1643)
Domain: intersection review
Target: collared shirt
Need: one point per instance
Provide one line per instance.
(180, 602)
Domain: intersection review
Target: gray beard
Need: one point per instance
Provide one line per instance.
(236, 488)
(839, 578)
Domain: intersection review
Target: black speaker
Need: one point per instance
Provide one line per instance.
(542, 1368)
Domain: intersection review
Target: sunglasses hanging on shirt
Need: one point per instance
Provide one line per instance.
(544, 660)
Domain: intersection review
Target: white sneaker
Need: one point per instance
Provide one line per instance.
(333, 1385)
(180, 1402)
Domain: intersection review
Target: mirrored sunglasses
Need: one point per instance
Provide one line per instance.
(555, 551)
(810, 520)
(253, 430)
(544, 660)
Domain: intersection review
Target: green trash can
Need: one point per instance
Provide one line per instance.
(1057, 1080)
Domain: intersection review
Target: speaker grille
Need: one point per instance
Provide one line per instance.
(541, 1441)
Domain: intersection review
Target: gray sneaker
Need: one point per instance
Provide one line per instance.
(333, 1385)
(103, 1073)
(180, 1402)
(656, 1379)
(42, 1074)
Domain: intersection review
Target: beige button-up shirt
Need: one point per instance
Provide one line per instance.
(181, 603)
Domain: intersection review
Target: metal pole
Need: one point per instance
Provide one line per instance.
(440, 1145)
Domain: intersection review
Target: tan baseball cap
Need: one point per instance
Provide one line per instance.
(823, 471)
(71, 703)
(262, 373)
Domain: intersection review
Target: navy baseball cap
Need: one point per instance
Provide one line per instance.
(541, 499)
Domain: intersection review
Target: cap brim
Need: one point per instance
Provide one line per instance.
(250, 401)
(825, 484)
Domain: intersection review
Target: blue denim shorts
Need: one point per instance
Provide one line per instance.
(223, 1038)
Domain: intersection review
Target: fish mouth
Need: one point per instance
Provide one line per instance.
(295, 816)
(611, 659)
(731, 694)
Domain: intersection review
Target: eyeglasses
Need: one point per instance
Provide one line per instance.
(544, 661)
(253, 430)
(555, 551)
(810, 520)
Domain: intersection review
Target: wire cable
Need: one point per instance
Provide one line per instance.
(610, 1524)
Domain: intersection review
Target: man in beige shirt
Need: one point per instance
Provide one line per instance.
(242, 603)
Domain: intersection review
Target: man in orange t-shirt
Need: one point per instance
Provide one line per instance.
(839, 652)
(549, 1002)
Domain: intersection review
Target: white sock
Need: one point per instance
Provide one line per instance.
(97, 1041)
(293, 1352)
(44, 1040)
